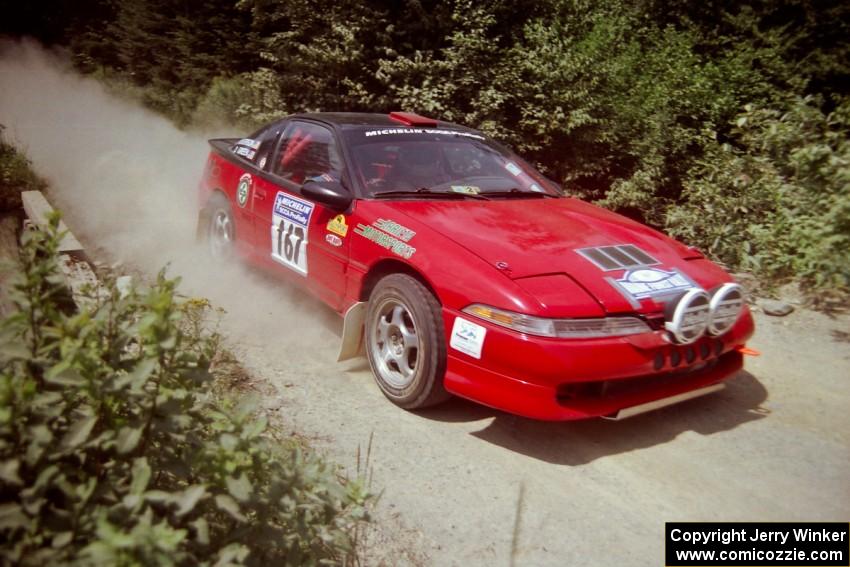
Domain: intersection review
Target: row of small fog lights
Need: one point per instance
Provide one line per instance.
(698, 312)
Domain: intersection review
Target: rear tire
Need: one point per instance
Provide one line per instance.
(405, 342)
(220, 234)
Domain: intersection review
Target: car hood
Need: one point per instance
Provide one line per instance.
(532, 237)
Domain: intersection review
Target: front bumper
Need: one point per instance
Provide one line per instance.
(559, 379)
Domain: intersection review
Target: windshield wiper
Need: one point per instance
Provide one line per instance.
(426, 192)
(516, 193)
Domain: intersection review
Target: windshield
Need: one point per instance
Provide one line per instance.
(416, 159)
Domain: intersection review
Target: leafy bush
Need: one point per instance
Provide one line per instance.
(248, 100)
(15, 176)
(115, 450)
(777, 202)
(634, 105)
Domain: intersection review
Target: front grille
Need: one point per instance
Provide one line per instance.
(615, 388)
(671, 364)
(673, 356)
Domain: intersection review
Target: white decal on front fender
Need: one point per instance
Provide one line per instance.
(468, 337)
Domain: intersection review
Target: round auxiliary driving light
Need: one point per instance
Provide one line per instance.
(727, 301)
(688, 319)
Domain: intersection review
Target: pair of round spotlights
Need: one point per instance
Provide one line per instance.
(697, 312)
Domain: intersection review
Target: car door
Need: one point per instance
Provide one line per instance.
(251, 189)
(302, 239)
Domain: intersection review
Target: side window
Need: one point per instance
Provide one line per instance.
(306, 151)
(267, 140)
(258, 146)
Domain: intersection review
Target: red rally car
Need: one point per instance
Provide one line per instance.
(462, 270)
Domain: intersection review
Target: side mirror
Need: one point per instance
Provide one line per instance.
(329, 193)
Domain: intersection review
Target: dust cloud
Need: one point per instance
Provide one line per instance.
(126, 179)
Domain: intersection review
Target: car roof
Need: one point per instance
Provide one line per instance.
(353, 120)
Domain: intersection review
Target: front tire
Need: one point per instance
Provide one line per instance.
(405, 342)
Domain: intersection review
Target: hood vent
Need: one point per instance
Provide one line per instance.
(618, 257)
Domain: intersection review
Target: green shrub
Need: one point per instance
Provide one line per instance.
(634, 105)
(247, 101)
(778, 202)
(15, 176)
(115, 449)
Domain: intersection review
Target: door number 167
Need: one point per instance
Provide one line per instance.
(287, 240)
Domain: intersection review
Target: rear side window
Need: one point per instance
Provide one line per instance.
(246, 148)
(257, 147)
(306, 151)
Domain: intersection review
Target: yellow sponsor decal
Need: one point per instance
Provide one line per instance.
(468, 189)
(337, 225)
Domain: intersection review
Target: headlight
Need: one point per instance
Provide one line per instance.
(562, 328)
(727, 302)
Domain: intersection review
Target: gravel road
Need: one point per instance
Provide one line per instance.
(460, 480)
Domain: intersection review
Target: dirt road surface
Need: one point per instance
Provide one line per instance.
(773, 446)
(462, 484)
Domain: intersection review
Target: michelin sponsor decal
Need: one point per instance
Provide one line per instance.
(289, 231)
(468, 337)
(390, 235)
(293, 209)
(393, 131)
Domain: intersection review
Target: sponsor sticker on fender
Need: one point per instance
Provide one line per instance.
(468, 337)
(390, 235)
(337, 225)
(333, 240)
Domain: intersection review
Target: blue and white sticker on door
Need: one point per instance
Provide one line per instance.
(467, 337)
(289, 230)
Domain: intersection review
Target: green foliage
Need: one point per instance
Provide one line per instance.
(317, 52)
(783, 192)
(115, 450)
(16, 175)
(248, 100)
(438, 82)
(170, 50)
(625, 103)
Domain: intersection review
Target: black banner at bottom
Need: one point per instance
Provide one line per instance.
(758, 544)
